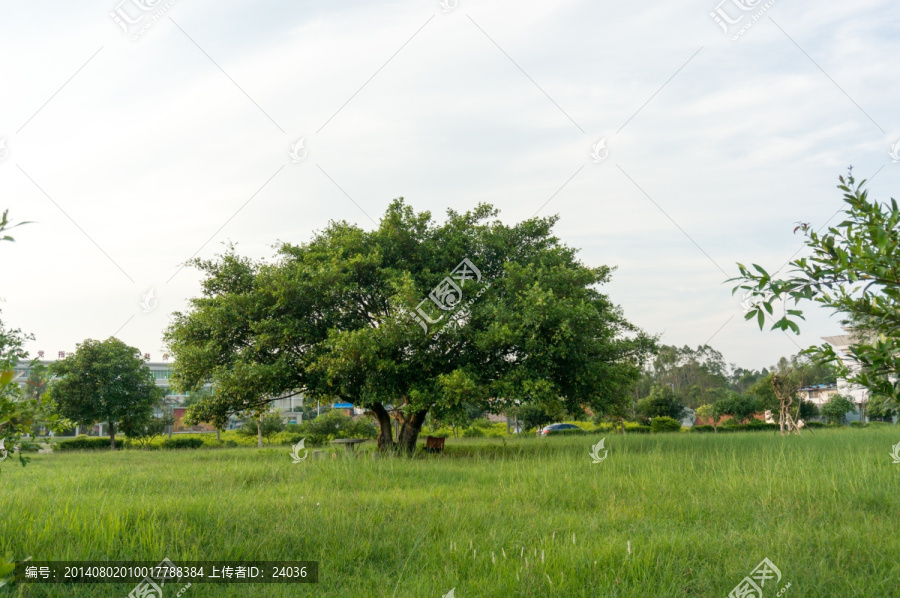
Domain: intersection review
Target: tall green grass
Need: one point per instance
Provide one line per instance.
(489, 517)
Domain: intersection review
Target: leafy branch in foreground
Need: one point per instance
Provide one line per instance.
(854, 270)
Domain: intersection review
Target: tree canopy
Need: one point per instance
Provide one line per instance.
(104, 381)
(410, 318)
(852, 269)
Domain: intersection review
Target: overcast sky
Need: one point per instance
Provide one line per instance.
(135, 147)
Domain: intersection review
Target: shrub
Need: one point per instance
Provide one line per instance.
(498, 430)
(268, 424)
(335, 424)
(664, 424)
(569, 432)
(473, 432)
(703, 428)
(739, 407)
(836, 409)
(586, 426)
(437, 432)
(292, 428)
(230, 443)
(758, 424)
(602, 428)
(31, 447)
(637, 428)
(182, 443)
(815, 425)
(85, 443)
(662, 402)
(808, 409)
(857, 425)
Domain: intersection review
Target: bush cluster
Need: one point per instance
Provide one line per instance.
(82, 443)
(631, 427)
(478, 428)
(731, 426)
(327, 427)
(182, 443)
(664, 424)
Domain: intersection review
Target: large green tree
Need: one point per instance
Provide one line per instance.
(104, 381)
(359, 316)
(853, 269)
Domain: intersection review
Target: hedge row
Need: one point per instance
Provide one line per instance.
(82, 443)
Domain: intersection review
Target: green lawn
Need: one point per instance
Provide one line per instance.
(526, 517)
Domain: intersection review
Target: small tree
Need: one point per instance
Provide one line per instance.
(538, 416)
(740, 407)
(710, 410)
(662, 402)
(271, 423)
(104, 381)
(144, 430)
(836, 409)
(808, 410)
(784, 387)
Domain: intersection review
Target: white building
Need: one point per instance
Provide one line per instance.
(857, 394)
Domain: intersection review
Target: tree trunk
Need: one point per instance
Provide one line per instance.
(409, 432)
(259, 433)
(218, 435)
(385, 431)
(112, 436)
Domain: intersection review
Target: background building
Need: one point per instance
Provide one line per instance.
(857, 394)
(173, 402)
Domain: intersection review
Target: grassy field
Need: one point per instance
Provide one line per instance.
(529, 517)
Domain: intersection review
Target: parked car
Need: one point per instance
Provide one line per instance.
(547, 430)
